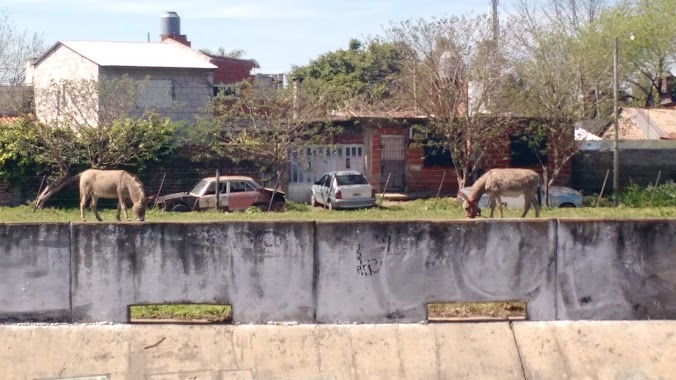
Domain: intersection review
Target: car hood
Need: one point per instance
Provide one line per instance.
(173, 196)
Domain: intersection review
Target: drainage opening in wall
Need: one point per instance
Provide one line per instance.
(180, 313)
(476, 311)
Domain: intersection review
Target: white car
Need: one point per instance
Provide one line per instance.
(559, 196)
(343, 189)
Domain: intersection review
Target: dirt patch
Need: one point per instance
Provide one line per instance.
(473, 311)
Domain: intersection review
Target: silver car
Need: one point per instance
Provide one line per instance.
(559, 196)
(343, 189)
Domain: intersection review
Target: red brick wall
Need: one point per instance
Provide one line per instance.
(231, 70)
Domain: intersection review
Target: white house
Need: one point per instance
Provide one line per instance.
(178, 80)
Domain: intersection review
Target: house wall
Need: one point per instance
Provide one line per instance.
(192, 89)
(231, 70)
(61, 63)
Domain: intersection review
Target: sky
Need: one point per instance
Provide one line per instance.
(278, 34)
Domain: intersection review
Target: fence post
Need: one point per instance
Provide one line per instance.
(385, 189)
(654, 188)
(439, 191)
(218, 189)
(164, 176)
(602, 188)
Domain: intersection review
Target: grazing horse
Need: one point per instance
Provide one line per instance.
(111, 184)
(497, 182)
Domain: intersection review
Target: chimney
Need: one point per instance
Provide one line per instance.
(170, 28)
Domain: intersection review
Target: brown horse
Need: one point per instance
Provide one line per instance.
(111, 184)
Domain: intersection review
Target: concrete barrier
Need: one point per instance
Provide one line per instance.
(522, 350)
(265, 270)
(386, 272)
(339, 272)
(34, 272)
(616, 269)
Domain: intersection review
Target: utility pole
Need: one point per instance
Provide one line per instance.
(496, 23)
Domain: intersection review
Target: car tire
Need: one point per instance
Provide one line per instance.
(313, 201)
(180, 208)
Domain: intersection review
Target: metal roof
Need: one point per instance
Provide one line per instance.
(646, 124)
(136, 54)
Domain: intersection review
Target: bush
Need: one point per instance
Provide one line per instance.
(637, 196)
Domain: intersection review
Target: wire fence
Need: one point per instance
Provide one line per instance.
(424, 183)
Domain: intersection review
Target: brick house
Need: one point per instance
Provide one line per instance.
(382, 149)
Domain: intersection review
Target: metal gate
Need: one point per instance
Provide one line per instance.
(392, 163)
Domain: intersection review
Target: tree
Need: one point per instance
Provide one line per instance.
(451, 77)
(360, 78)
(559, 76)
(648, 58)
(258, 123)
(16, 47)
(97, 124)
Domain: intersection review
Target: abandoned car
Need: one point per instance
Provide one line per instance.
(236, 193)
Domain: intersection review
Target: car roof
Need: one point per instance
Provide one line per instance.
(230, 178)
(344, 172)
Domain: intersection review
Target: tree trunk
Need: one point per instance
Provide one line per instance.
(52, 188)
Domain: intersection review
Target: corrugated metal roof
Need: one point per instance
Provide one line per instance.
(137, 54)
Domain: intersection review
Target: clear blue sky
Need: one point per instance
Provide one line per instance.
(276, 33)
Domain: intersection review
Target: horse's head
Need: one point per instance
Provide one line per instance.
(139, 209)
(470, 206)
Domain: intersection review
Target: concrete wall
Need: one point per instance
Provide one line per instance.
(34, 272)
(522, 350)
(341, 272)
(264, 270)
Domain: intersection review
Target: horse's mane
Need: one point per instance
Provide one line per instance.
(137, 189)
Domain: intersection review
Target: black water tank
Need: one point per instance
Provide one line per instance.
(170, 24)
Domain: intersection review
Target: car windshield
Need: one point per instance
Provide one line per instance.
(200, 187)
(351, 179)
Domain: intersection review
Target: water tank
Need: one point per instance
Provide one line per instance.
(170, 24)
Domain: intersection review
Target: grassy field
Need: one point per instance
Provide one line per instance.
(421, 209)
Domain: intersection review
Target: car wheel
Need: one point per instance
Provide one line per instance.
(567, 205)
(180, 208)
(313, 201)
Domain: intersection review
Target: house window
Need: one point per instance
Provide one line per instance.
(435, 154)
(155, 93)
(524, 152)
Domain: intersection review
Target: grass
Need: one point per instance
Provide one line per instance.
(181, 313)
(421, 209)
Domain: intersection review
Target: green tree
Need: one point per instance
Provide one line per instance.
(359, 78)
(646, 59)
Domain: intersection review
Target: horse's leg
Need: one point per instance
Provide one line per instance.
(93, 204)
(499, 202)
(83, 202)
(536, 205)
(491, 203)
(528, 199)
(121, 205)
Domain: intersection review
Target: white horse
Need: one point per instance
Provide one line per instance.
(497, 182)
(111, 184)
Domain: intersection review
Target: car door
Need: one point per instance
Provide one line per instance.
(241, 195)
(208, 199)
(326, 188)
(318, 188)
